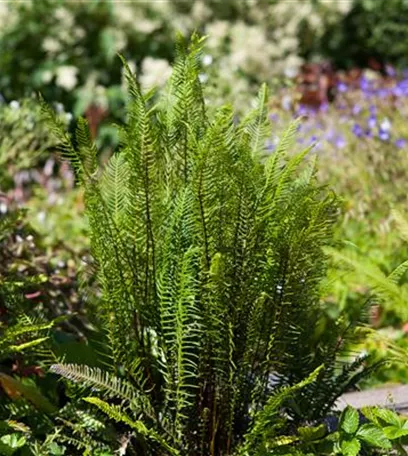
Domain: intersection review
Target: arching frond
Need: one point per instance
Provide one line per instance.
(116, 413)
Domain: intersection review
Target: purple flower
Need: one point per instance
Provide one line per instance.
(331, 133)
(274, 117)
(402, 87)
(390, 70)
(400, 143)
(397, 91)
(372, 121)
(324, 107)
(303, 111)
(365, 84)
(383, 135)
(356, 110)
(357, 130)
(342, 87)
(270, 145)
(340, 142)
(383, 93)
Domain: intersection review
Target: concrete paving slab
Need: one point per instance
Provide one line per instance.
(393, 396)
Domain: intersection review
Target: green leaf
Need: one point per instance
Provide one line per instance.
(394, 432)
(309, 434)
(55, 449)
(10, 443)
(116, 413)
(107, 44)
(370, 414)
(388, 416)
(266, 417)
(349, 420)
(15, 389)
(27, 345)
(350, 447)
(374, 436)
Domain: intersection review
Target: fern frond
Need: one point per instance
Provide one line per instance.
(64, 143)
(115, 186)
(97, 380)
(266, 418)
(257, 124)
(181, 329)
(87, 150)
(116, 413)
(23, 335)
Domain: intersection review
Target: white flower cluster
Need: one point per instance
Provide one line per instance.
(262, 43)
(155, 72)
(7, 16)
(270, 44)
(259, 42)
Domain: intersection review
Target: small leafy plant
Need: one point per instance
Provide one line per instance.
(351, 435)
(370, 431)
(209, 257)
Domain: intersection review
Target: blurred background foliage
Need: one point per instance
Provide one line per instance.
(68, 52)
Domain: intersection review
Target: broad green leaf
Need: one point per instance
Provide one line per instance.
(370, 414)
(394, 432)
(56, 450)
(350, 447)
(374, 436)
(388, 416)
(349, 420)
(10, 443)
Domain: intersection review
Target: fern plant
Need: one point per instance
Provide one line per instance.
(209, 257)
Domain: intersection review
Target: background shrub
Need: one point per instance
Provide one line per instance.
(372, 33)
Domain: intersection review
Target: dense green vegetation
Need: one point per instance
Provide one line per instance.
(181, 276)
(209, 335)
